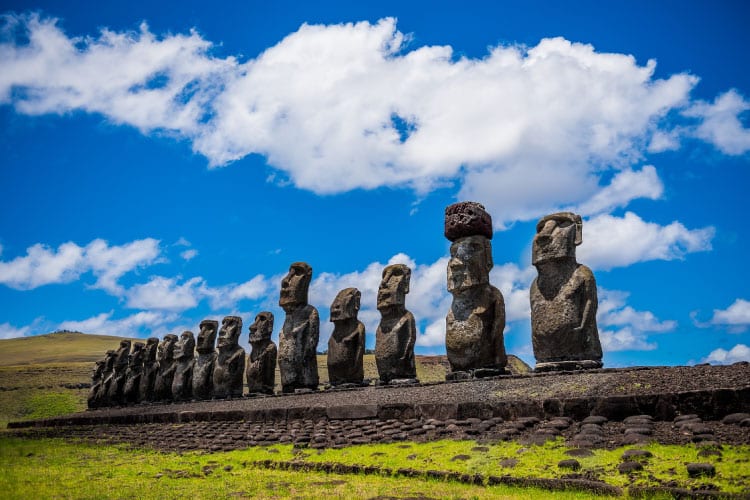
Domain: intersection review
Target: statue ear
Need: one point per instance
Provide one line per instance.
(357, 297)
(579, 230)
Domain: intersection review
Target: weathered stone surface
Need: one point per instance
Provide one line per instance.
(700, 469)
(563, 298)
(261, 364)
(475, 322)
(118, 378)
(131, 391)
(93, 400)
(397, 331)
(230, 361)
(165, 375)
(150, 370)
(346, 347)
(298, 340)
(184, 355)
(467, 218)
(203, 367)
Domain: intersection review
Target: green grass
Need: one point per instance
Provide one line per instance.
(58, 469)
(57, 348)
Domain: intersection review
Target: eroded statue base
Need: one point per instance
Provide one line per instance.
(559, 366)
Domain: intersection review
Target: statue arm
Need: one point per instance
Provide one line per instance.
(314, 333)
(588, 286)
(408, 323)
(359, 333)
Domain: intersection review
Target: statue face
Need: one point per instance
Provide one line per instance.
(109, 361)
(262, 327)
(345, 305)
(185, 346)
(294, 286)
(394, 286)
(166, 348)
(229, 335)
(470, 263)
(556, 237)
(152, 344)
(98, 370)
(207, 336)
(136, 357)
(122, 353)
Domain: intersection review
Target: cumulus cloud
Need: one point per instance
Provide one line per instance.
(740, 352)
(720, 122)
(136, 325)
(43, 265)
(8, 331)
(349, 106)
(736, 317)
(610, 241)
(189, 254)
(622, 328)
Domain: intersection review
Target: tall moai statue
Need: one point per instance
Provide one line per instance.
(131, 392)
(229, 367)
(119, 375)
(102, 396)
(563, 298)
(150, 370)
(184, 353)
(346, 347)
(261, 363)
(204, 363)
(165, 375)
(474, 326)
(397, 331)
(96, 383)
(298, 340)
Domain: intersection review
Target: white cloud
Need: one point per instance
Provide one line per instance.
(622, 328)
(136, 325)
(740, 352)
(43, 265)
(610, 241)
(226, 297)
(165, 293)
(349, 106)
(736, 317)
(189, 254)
(720, 123)
(8, 331)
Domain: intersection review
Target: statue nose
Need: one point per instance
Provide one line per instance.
(543, 239)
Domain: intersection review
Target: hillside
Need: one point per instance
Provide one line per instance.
(64, 347)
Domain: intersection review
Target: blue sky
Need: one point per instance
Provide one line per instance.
(161, 163)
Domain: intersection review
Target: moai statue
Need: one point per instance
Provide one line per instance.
(150, 370)
(261, 364)
(119, 376)
(397, 331)
(184, 352)
(563, 298)
(230, 361)
(131, 393)
(102, 396)
(476, 320)
(347, 343)
(204, 363)
(165, 375)
(96, 383)
(298, 340)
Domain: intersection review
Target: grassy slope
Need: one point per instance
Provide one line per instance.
(56, 348)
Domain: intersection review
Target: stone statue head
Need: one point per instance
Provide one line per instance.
(394, 286)
(98, 370)
(207, 336)
(470, 263)
(149, 356)
(109, 361)
(557, 236)
(345, 305)
(294, 286)
(185, 346)
(262, 327)
(123, 353)
(165, 352)
(136, 355)
(229, 335)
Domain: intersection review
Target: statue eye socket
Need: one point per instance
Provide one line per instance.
(564, 223)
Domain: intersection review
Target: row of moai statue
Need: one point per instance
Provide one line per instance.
(563, 318)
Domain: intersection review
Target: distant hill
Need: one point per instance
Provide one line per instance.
(63, 347)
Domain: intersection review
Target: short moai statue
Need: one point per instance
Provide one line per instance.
(131, 393)
(184, 359)
(563, 298)
(206, 359)
(119, 376)
(102, 395)
(230, 361)
(397, 331)
(165, 375)
(96, 383)
(298, 339)
(261, 363)
(475, 322)
(346, 347)
(150, 370)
